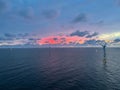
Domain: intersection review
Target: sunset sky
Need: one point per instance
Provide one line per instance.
(59, 22)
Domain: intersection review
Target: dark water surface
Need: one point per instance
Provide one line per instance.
(59, 69)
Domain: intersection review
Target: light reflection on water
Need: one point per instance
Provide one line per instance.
(59, 69)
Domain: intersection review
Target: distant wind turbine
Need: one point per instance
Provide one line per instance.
(104, 45)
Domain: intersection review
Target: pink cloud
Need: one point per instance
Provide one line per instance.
(62, 40)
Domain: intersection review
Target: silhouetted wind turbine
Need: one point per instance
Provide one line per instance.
(104, 45)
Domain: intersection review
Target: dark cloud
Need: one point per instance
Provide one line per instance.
(18, 39)
(6, 39)
(80, 18)
(27, 13)
(90, 42)
(117, 2)
(19, 35)
(32, 41)
(2, 39)
(63, 40)
(86, 34)
(92, 35)
(101, 42)
(51, 14)
(79, 33)
(100, 22)
(94, 42)
(23, 35)
(9, 35)
(3, 5)
(116, 40)
(55, 39)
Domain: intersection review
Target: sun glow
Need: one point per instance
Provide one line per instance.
(109, 37)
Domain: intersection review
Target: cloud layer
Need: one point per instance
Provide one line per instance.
(27, 13)
(50, 14)
(80, 18)
(74, 38)
(18, 39)
(84, 38)
(4, 5)
(49, 17)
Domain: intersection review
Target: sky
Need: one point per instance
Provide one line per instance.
(59, 22)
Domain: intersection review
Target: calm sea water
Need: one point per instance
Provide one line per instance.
(60, 69)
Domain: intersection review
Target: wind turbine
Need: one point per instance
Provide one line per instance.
(104, 44)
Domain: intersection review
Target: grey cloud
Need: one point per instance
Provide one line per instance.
(79, 33)
(6, 39)
(2, 39)
(9, 35)
(63, 40)
(19, 35)
(116, 40)
(86, 34)
(117, 2)
(55, 39)
(80, 18)
(24, 38)
(92, 35)
(101, 42)
(100, 22)
(91, 42)
(32, 41)
(3, 5)
(51, 14)
(23, 35)
(94, 42)
(27, 13)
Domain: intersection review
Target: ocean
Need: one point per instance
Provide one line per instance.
(59, 69)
